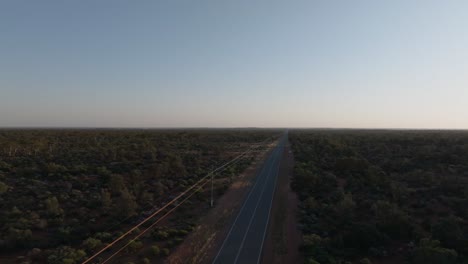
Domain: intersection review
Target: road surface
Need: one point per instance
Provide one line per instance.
(244, 242)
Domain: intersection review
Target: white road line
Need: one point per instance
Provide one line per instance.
(240, 211)
(269, 212)
(255, 210)
(165, 206)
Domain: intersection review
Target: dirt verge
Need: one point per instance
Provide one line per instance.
(203, 243)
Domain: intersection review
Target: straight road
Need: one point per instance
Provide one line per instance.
(244, 242)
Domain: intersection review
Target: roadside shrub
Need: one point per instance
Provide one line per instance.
(92, 243)
(161, 235)
(155, 250)
(365, 261)
(430, 252)
(134, 246)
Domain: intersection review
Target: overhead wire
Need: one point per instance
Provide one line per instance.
(170, 203)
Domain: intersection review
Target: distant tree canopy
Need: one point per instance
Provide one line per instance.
(376, 195)
(67, 192)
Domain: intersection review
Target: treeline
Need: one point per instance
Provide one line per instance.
(65, 193)
(382, 196)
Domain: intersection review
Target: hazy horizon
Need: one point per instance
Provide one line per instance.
(225, 127)
(221, 64)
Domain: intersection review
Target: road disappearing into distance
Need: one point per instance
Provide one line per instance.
(244, 242)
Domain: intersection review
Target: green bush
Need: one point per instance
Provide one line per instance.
(365, 261)
(134, 246)
(92, 243)
(430, 252)
(155, 250)
(165, 251)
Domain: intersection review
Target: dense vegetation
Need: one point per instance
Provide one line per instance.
(65, 193)
(382, 196)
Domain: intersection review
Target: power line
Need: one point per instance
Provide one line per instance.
(157, 221)
(161, 218)
(169, 203)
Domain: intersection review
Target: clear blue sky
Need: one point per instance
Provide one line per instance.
(392, 64)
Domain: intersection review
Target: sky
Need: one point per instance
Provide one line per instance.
(243, 63)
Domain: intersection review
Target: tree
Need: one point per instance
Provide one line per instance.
(159, 189)
(345, 208)
(126, 205)
(18, 237)
(106, 199)
(54, 169)
(53, 206)
(365, 261)
(3, 187)
(165, 251)
(146, 198)
(177, 167)
(392, 220)
(116, 183)
(134, 246)
(160, 235)
(447, 231)
(310, 204)
(314, 247)
(363, 236)
(311, 261)
(92, 243)
(155, 250)
(430, 252)
(67, 255)
(104, 172)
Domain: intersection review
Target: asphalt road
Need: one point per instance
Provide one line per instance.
(244, 242)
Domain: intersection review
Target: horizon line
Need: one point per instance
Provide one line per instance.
(233, 127)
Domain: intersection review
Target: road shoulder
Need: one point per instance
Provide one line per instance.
(202, 245)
